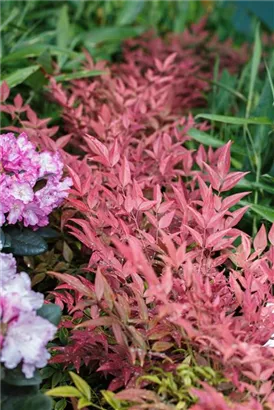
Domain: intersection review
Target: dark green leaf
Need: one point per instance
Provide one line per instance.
(17, 378)
(48, 233)
(50, 312)
(26, 242)
(2, 239)
(39, 401)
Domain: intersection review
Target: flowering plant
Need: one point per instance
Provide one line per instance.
(26, 328)
(31, 187)
(22, 169)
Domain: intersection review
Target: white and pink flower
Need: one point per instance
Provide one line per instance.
(23, 334)
(21, 169)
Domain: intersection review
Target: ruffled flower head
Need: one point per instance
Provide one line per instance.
(31, 182)
(23, 334)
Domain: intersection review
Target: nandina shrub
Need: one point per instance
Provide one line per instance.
(156, 81)
(168, 272)
(165, 271)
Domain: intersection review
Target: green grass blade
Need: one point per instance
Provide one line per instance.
(63, 32)
(265, 212)
(78, 75)
(255, 63)
(129, 12)
(19, 76)
(12, 16)
(35, 51)
(214, 142)
(234, 120)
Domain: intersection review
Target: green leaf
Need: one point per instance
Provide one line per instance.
(48, 233)
(26, 242)
(63, 27)
(12, 16)
(214, 142)
(110, 398)
(64, 391)
(264, 211)
(247, 184)
(255, 63)
(129, 12)
(81, 385)
(47, 372)
(40, 401)
(234, 120)
(204, 138)
(2, 239)
(83, 402)
(63, 32)
(36, 50)
(16, 377)
(20, 75)
(102, 34)
(50, 312)
(77, 75)
(61, 405)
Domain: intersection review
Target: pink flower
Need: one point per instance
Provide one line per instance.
(23, 334)
(22, 167)
(7, 267)
(25, 339)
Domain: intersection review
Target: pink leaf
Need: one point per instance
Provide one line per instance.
(114, 154)
(125, 174)
(215, 237)
(271, 235)
(99, 285)
(197, 216)
(75, 178)
(231, 180)
(4, 91)
(223, 164)
(260, 240)
(166, 220)
(196, 235)
(213, 177)
(231, 200)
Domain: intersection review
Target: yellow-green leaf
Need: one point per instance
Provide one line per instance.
(64, 391)
(83, 402)
(81, 385)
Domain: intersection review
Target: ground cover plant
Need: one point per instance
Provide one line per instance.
(137, 172)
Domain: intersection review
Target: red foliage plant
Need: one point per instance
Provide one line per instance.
(157, 82)
(168, 268)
